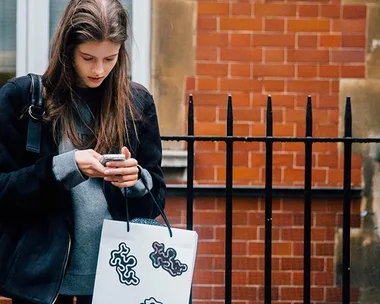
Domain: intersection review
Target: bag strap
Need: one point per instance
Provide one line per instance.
(36, 111)
(160, 210)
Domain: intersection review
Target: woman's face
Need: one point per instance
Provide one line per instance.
(93, 61)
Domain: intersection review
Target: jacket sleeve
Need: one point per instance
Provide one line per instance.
(21, 180)
(149, 157)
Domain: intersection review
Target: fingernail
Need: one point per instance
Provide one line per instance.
(106, 171)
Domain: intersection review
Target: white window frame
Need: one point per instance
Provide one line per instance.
(32, 52)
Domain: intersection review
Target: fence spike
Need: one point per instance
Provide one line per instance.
(190, 116)
(269, 116)
(309, 117)
(348, 118)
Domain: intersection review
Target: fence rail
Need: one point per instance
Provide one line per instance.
(346, 193)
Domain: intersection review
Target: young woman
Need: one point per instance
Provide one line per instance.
(52, 204)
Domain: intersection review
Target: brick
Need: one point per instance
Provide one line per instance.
(244, 292)
(281, 278)
(241, 9)
(349, 26)
(297, 278)
(353, 41)
(255, 248)
(242, 114)
(324, 249)
(329, 70)
(274, 55)
(308, 71)
(208, 277)
(308, 86)
(274, 295)
(206, 84)
(240, 39)
(212, 69)
(244, 233)
(213, 8)
(357, 71)
(241, 54)
(331, 10)
(240, 174)
(291, 293)
(282, 249)
(311, 25)
(354, 11)
(210, 247)
(271, 86)
(292, 234)
(201, 292)
(241, 23)
(307, 41)
(347, 56)
(207, 53)
(317, 56)
(283, 40)
(327, 160)
(323, 279)
(274, 25)
(326, 220)
(202, 98)
(212, 39)
(204, 174)
(209, 159)
(308, 10)
(274, 9)
(273, 70)
(207, 24)
(240, 69)
(205, 114)
(256, 278)
(245, 263)
(241, 85)
(330, 41)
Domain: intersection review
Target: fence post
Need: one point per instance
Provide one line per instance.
(347, 201)
(268, 202)
(307, 207)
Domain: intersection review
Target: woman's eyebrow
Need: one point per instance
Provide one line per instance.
(83, 53)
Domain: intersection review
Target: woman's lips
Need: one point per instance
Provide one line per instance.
(94, 79)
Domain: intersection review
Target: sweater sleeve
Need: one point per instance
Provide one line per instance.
(20, 178)
(149, 156)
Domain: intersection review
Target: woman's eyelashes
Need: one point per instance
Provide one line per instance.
(106, 59)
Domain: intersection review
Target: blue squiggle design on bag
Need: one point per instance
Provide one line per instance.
(167, 260)
(124, 265)
(151, 301)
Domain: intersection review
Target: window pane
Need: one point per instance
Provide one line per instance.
(7, 40)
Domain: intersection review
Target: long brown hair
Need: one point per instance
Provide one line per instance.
(82, 21)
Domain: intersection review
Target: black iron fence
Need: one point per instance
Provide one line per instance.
(346, 193)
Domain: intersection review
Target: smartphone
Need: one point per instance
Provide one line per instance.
(112, 157)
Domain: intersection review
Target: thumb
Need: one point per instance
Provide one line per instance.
(125, 151)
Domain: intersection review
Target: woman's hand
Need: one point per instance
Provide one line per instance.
(122, 173)
(88, 162)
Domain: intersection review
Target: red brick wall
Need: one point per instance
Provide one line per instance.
(248, 249)
(288, 49)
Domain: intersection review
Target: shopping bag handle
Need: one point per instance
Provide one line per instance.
(160, 210)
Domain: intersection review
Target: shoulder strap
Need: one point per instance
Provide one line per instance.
(36, 111)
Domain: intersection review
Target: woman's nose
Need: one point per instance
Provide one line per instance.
(98, 69)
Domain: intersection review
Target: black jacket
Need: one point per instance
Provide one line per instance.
(35, 209)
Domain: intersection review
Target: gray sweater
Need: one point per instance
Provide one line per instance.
(89, 206)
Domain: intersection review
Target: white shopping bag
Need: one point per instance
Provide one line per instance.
(144, 265)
